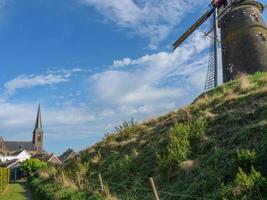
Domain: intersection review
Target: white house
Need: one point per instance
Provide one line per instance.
(19, 155)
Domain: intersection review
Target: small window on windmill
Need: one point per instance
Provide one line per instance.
(261, 37)
(230, 68)
(254, 17)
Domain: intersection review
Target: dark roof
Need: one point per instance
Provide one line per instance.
(10, 163)
(19, 145)
(70, 153)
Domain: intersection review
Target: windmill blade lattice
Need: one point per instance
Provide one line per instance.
(211, 80)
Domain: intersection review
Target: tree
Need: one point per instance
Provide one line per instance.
(32, 165)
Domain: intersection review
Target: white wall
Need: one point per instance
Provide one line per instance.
(24, 155)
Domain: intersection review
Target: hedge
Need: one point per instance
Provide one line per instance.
(4, 178)
(50, 190)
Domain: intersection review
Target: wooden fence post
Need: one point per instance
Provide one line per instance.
(78, 180)
(54, 175)
(154, 189)
(101, 182)
(63, 177)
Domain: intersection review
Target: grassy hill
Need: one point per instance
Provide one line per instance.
(215, 148)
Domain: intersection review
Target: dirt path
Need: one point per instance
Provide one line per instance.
(27, 191)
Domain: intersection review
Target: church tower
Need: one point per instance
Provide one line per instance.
(38, 133)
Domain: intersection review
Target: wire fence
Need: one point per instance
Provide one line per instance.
(124, 192)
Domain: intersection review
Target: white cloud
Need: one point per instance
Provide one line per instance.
(153, 79)
(49, 78)
(154, 19)
(121, 63)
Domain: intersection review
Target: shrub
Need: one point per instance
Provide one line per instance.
(178, 148)
(246, 158)
(49, 190)
(4, 178)
(32, 165)
(126, 130)
(248, 185)
(181, 141)
(198, 129)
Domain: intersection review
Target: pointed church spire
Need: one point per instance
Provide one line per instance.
(38, 123)
(38, 132)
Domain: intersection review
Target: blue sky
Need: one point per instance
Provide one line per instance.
(94, 63)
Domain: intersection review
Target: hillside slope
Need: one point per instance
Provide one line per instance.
(215, 148)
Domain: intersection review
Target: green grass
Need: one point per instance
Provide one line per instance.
(14, 191)
(214, 148)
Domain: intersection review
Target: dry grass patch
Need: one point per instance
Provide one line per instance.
(202, 101)
(230, 95)
(207, 114)
(188, 165)
(243, 83)
(65, 181)
(96, 159)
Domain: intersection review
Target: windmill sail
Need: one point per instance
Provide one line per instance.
(211, 78)
(189, 31)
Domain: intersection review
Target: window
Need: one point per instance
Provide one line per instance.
(230, 68)
(254, 17)
(261, 37)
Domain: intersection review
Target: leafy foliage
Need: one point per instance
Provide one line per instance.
(47, 190)
(32, 165)
(246, 158)
(178, 148)
(248, 186)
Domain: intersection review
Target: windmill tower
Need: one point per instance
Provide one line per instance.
(243, 38)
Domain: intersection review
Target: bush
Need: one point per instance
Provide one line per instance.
(248, 186)
(246, 158)
(49, 190)
(198, 128)
(4, 178)
(181, 139)
(32, 165)
(127, 130)
(178, 148)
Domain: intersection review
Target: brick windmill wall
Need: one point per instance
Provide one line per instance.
(244, 39)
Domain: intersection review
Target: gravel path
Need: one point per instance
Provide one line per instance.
(26, 190)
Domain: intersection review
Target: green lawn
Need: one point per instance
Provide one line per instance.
(14, 191)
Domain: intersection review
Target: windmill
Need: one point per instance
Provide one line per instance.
(243, 38)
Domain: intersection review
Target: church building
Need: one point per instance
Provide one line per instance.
(34, 147)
